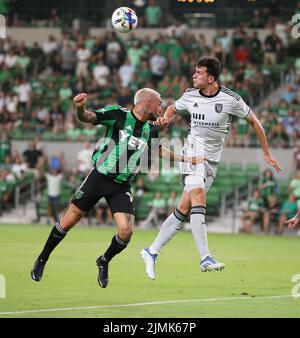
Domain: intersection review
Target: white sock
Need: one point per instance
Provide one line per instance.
(198, 227)
(168, 230)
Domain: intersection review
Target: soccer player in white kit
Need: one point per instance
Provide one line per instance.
(212, 107)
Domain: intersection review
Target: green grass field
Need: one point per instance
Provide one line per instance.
(255, 283)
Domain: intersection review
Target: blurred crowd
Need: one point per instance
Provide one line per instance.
(55, 185)
(150, 13)
(271, 205)
(37, 82)
(281, 121)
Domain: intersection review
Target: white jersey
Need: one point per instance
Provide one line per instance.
(210, 120)
(53, 184)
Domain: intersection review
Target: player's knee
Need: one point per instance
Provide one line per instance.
(184, 208)
(125, 232)
(76, 214)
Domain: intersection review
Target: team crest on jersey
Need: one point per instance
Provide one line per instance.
(218, 107)
(79, 194)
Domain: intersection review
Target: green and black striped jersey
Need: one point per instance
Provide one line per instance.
(126, 140)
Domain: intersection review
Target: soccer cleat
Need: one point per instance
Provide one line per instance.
(103, 272)
(37, 270)
(210, 264)
(149, 260)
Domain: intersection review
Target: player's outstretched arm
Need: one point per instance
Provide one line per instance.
(293, 222)
(83, 114)
(260, 133)
(169, 154)
(167, 118)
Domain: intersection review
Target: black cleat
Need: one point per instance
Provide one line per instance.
(37, 270)
(103, 272)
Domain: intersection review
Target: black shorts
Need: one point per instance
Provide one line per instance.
(95, 186)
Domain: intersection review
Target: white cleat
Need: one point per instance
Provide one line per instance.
(210, 264)
(149, 260)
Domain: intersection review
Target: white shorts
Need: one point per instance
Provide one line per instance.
(202, 177)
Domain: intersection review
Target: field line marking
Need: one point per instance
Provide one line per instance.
(146, 304)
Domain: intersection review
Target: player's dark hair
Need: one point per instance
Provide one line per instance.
(212, 64)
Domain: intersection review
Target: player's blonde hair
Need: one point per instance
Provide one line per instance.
(144, 94)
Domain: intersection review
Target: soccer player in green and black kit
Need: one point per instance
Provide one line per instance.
(116, 162)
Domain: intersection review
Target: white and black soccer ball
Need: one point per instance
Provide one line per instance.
(124, 19)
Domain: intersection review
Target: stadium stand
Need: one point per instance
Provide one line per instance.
(38, 81)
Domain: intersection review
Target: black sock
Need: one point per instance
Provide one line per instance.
(116, 246)
(56, 236)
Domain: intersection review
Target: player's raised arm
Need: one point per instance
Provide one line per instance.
(260, 133)
(167, 153)
(167, 118)
(83, 114)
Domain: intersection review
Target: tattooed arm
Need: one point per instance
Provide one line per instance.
(83, 114)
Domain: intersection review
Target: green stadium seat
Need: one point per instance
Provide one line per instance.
(239, 177)
(213, 204)
(147, 197)
(178, 188)
(222, 166)
(225, 185)
(142, 212)
(214, 190)
(221, 174)
(163, 188)
(47, 136)
(283, 190)
(235, 167)
(252, 169)
(16, 134)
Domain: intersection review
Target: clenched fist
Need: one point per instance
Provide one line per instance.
(80, 99)
(161, 121)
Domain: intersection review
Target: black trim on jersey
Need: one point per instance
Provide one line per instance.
(247, 113)
(137, 120)
(123, 159)
(114, 139)
(175, 107)
(209, 96)
(190, 90)
(230, 93)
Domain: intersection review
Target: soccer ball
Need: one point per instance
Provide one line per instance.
(124, 19)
